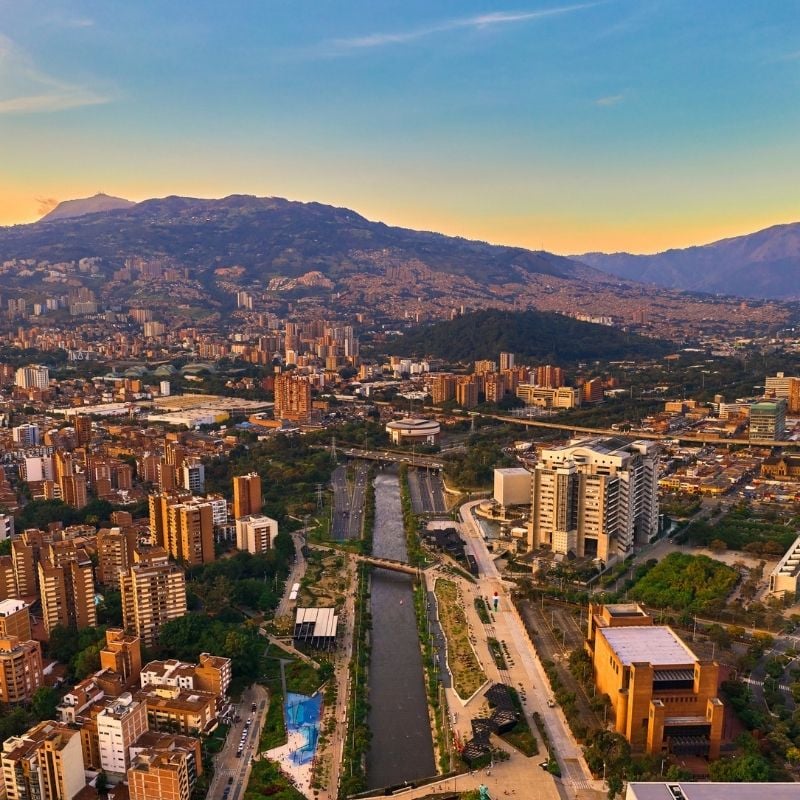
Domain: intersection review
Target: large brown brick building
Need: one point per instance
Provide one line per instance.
(663, 698)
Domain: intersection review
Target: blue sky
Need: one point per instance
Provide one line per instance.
(627, 124)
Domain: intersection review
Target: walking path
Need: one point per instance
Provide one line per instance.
(526, 671)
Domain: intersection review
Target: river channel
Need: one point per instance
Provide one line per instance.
(402, 747)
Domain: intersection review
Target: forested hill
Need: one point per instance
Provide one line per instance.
(528, 334)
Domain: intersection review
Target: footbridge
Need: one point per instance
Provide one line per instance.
(374, 561)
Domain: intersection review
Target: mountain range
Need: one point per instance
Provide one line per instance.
(765, 264)
(266, 236)
(86, 205)
(333, 261)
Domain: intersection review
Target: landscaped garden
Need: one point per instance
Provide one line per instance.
(468, 675)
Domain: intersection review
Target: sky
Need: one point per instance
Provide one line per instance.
(631, 125)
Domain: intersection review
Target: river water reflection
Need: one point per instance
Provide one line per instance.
(402, 747)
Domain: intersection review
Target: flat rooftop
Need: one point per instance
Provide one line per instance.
(11, 606)
(625, 610)
(674, 790)
(658, 645)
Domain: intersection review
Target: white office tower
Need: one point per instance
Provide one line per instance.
(595, 498)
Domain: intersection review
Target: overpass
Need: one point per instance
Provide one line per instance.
(392, 457)
(383, 563)
(696, 438)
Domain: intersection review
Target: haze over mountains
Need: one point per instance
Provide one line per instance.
(762, 264)
(86, 205)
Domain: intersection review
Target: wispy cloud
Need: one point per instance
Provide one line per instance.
(46, 204)
(609, 100)
(25, 89)
(343, 46)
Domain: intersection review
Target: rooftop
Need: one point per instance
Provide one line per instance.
(658, 645)
(11, 606)
(710, 791)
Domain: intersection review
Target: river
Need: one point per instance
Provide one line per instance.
(402, 746)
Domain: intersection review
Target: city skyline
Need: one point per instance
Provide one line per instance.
(565, 126)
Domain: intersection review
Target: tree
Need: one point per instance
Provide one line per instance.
(87, 662)
(749, 768)
(44, 702)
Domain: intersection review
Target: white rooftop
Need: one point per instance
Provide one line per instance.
(325, 620)
(653, 644)
(11, 606)
(674, 790)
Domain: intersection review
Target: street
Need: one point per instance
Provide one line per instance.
(526, 669)
(230, 770)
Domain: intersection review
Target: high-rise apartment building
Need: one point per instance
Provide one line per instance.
(152, 595)
(494, 387)
(467, 392)
(443, 389)
(73, 490)
(26, 435)
(256, 533)
(8, 583)
(114, 553)
(15, 619)
(506, 361)
(292, 397)
(119, 725)
(66, 591)
(32, 377)
(595, 498)
(45, 763)
(793, 398)
(25, 554)
(83, 429)
(592, 391)
(184, 526)
(484, 367)
(778, 385)
(193, 475)
(549, 376)
(246, 495)
(20, 669)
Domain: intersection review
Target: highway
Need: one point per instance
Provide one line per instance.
(698, 438)
(348, 503)
(427, 492)
(393, 457)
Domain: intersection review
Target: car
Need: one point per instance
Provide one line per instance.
(544, 764)
(551, 703)
(230, 780)
(253, 706)
(239, 753)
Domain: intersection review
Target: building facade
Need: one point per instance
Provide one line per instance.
(595, 498)
(246, 495)
(663, 698)
(152, 595)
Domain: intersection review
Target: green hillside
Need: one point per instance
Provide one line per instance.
(528, 334)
